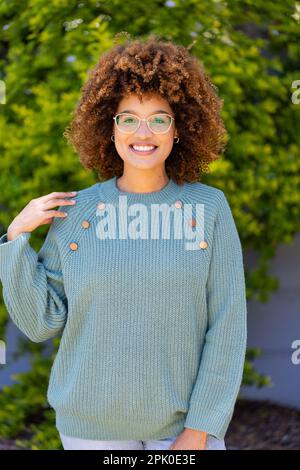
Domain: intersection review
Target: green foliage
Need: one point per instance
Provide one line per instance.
(25, 414)
(251, 51)
(251, 377)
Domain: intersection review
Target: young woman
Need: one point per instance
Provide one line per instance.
(142, 272)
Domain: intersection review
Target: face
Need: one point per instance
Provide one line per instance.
(143, 135)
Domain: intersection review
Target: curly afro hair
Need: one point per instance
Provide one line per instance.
(144, 67)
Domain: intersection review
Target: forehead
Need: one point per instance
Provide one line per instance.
(148, 104)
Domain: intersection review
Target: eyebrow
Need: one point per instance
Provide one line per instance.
(154, 112)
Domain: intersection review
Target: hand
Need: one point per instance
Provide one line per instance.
(36, 213)
(190, 439)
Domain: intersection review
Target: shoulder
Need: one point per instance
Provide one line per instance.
(84, 195)
(213, 197)
(85, 199)
(85, 207)
(217, 211)
(215, 206)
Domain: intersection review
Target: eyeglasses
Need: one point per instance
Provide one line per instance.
(157, 123)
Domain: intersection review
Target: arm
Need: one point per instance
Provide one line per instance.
(33, 289)
(221, 366)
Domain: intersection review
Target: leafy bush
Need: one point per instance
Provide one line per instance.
(24, 410)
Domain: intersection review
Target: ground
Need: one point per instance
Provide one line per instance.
(255, 425)
(263, 425)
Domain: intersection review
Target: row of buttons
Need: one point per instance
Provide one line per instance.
(178, 204)
(84, 224)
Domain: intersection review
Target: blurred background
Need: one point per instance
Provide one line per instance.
(251, 49)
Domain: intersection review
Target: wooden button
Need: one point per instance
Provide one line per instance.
(192, 222)
(85, 224)
(178, 204)
(73, 246)
(203, 244)
(101, 205)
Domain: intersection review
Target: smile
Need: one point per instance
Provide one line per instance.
(143, 149)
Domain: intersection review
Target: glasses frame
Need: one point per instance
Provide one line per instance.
(144, 119)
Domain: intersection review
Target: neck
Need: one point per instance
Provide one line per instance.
(110, 191)
(142, 182)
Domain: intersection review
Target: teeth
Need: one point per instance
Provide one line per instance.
(143, 148)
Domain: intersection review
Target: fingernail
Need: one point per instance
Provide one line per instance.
(74, 192)
(65, 213)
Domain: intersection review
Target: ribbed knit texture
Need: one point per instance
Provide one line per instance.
(153, 335)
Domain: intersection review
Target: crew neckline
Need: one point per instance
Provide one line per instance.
(169, 193)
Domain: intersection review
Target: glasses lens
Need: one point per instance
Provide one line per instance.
(160, 122)
(127, 122)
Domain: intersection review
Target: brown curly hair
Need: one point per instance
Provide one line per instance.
(144, 67)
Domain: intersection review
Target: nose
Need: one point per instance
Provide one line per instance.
(143, 130)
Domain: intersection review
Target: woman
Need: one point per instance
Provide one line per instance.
(142, 273)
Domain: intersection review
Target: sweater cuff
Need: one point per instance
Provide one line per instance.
(9, 249)
(214, 422)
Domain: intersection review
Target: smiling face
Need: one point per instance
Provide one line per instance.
(143, 136)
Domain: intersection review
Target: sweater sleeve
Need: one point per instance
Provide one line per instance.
(221, 366)
(33, 289)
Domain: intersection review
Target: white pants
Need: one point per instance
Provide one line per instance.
(74, 443)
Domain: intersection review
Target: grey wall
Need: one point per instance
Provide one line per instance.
(274, 326)
(12, 366)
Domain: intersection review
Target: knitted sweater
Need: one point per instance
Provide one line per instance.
(151, 310)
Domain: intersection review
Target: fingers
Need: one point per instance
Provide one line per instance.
(58, 202)
(55, 214)
(57, 194)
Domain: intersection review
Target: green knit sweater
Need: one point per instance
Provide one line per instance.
(148, 293)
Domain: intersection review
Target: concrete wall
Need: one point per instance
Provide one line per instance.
(12, 366)
(274, 326)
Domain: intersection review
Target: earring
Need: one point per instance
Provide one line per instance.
(113, 138)
(176, 140)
